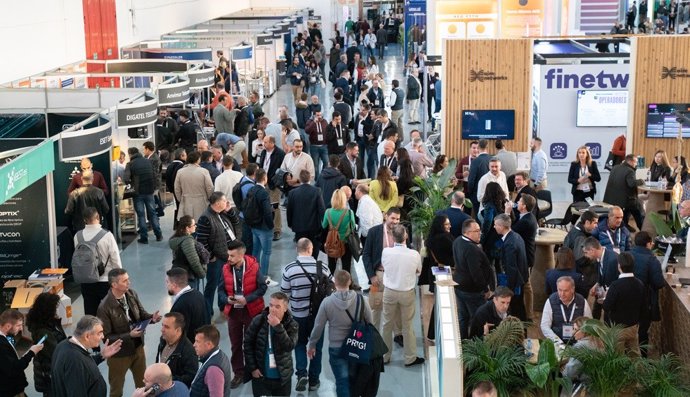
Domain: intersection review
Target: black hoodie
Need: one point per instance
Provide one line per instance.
(329, 180)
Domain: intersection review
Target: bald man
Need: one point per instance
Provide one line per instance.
(202, 146)
(684, 213)
(98, 179)
(159, 376)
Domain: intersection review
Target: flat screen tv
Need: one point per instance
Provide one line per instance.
(488, 124)
(602, 108)
(661, 120)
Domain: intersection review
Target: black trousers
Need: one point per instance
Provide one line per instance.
(579, 195)
(271, 387)
(93, 293)
(347, 261)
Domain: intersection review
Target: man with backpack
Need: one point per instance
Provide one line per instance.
(308, 282)
(95, 254)
(239, 192)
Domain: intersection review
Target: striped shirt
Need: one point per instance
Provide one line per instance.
(296, 284)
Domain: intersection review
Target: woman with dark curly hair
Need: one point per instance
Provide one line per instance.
(440, 164)
(493, 203)
(42, 320)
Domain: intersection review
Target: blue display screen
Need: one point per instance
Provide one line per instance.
(488, 124)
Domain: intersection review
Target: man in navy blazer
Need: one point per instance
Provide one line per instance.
(478, 168)
(607, 264)
(270, 159)
(456, 213)
(514, 263)
(526, 226)
(305, 209)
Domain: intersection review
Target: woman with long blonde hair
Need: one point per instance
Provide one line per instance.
(583, 175)
(341, 218)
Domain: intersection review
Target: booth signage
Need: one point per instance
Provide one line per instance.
(264, 39)
(674, 73)
(567, 78)
(138, 114)
(300, 19)
(26, 169)
(201, 78)
(192, 54)
(242, 53)
(172, 94)
(85, 143)
(482, 75)
(145, 66)
(314, 18)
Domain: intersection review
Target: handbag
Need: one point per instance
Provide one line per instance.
(354, 243)
(611, 161)
(358, 346)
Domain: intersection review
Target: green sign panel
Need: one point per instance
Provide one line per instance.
(26, 169)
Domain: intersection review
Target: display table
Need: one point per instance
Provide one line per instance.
(670, 334)
(655, 202)
(544, 260)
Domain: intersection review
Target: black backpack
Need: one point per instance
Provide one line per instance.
(321, 288)
(250, 207)
(237, 192)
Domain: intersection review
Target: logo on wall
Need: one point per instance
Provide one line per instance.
(557, 78)
(594, 150)
(482, 75)
(558, 151)
(674, 73)
(13, 177)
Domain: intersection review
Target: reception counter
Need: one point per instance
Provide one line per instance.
(670, 334)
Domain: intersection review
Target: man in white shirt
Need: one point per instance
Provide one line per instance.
(108, 254)
(401, 266)
(494, 175)
(275, 129)
(368, 212)
(226, 181)
(561, 310)
(295, 162)
(539, 165)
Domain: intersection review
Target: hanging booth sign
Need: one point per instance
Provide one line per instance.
(172, 94)
(75, 145)
(187, 54)
(242, 53)
(284, 27)
(300, 19)
(201, 78)
(145, 66)
(264, 39)
(26, 169)
(138, 114)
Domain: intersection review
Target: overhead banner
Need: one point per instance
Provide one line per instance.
(145, 66)
(138, 114)
(469, 19)
(24, 228)
(191, 54)
(264, 39)
(201, 78)
(242, 53)
(559, 88)
(172, 94)
(26, 169)
(75, 145)
(520, 18)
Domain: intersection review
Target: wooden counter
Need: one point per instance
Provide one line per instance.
(670, 334)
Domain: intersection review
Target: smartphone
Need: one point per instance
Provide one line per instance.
(40, 341)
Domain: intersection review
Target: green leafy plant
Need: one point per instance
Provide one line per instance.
(665, 377)
(499, 358)
(667, 228)
(431, 194)
(545, 374)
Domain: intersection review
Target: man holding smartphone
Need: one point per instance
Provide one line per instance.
(12, 369)
(158, 382)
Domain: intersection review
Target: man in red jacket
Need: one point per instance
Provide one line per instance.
(240, 297)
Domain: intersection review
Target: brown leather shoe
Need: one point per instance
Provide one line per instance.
(236, 381)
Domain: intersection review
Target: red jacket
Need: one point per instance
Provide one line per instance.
(249, 287)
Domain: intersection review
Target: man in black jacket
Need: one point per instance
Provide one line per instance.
(621, 189)
(74, 371)
(576, 237)
(270, 338)
(490, 314)
(262, 227)
(337, 135)
(606, 261)
(473, 273)
(186, 301)
(305, 211)
(12, 368)
(513, 263)
(363, 126)
(351, 164)
(176, 350)
(84, 197)
(526, 226)
(139, 173)
(478, 168)
(186, 137)
(180, 158)
(331, 179)
(270, 160)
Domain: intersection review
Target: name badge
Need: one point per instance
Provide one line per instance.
(585, 188)
(271, 359)
(360, 130)
(568, 331)
(376, 102)
(319, 137)
(617, 251)
(340, 142)
(238, 305)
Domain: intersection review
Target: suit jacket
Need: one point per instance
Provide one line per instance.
(346, 168)
(608, 270)
(526, 227)
(514, 260)
(183, 361)
(276, 160)
(192, 306)
(332, 139)
(574, 175)
(527, 190)
(367, 129)
(478, 168)
(382, 132)
(473, 272)
(305, 209)
(621, 189)
(393, 166)
(12, 369)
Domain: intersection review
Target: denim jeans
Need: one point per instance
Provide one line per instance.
(319, 153)
(145, 207)
(213, 273)
(301, 352)
(262, 248)
(372, 162)
(468, 303)
(341, 371)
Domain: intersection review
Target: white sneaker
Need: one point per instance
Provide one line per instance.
(270, 282)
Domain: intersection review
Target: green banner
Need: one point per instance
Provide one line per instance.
(26, 169)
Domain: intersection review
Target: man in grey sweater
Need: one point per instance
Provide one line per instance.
(333, 310)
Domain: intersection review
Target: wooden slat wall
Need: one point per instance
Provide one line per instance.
(651, 53)
(506, 57)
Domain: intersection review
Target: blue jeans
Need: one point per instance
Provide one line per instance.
(341, 370)
(319, 153)
(262, 248)
(213, 273)
(301, 352)
(145, 207)
(372, 162)
(468, 303)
